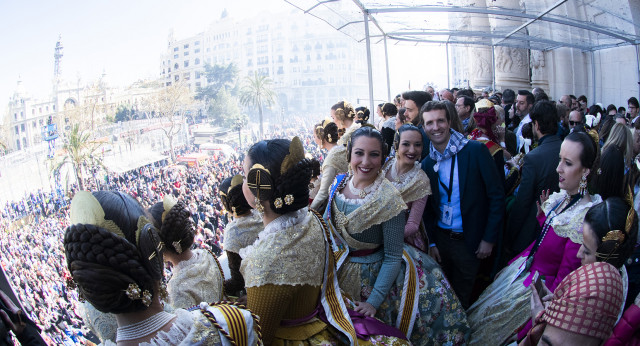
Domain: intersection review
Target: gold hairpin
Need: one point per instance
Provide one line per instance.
(615, 235)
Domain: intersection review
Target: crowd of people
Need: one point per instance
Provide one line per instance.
(455, 218)
(35, 228)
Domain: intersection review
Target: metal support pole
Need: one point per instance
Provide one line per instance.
(638, 62)
(386, 60)
(493, 67)
(446, 45)
(370, 72)
(593, 76)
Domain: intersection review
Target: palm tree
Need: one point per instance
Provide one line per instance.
(257, 92)
(79, 149)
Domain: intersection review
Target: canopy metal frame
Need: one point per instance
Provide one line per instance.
(517, 37)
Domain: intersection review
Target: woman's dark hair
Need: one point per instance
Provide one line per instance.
(389, 110)
(454, 122)
(177, 225)
(611, 215)
(611, 107)
(347, 111)
(103, 264)
(371, 132)
(362, 114)
(315, 168)
(294, 182)
(328, 133)
(233, 198)
(401, 130)
(590, 150)
(401, 114)
(609, 180)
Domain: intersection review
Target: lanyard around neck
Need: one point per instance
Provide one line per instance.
(449, 188)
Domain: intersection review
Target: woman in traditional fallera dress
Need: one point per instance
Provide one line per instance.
(326, 137)
(404, 172)
(289, 270)
(503, 309)
(196, 275)
(115, 257)
(395, 283)
(609, 235)
(241, 232)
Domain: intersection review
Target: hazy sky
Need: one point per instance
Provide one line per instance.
(127, 38)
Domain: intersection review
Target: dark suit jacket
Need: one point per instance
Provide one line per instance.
(481, 196)
(538, 174)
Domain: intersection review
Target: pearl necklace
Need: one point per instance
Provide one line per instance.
(143, 328)
(360, 192)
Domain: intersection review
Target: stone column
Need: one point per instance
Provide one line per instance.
(480, 56)
(512, 64)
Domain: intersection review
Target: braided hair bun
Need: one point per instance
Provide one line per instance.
(289, 190)
(232, 197)
(327, 131)
(176, 229)
(122, 249)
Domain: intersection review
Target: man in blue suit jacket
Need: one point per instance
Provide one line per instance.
(464, 215)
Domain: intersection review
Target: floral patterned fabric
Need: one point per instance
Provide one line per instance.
(440, 320)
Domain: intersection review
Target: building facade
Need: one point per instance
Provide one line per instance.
(312, 65)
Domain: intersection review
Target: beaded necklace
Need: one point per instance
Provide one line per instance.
(571, 202)
(143, 328)
(360, 192)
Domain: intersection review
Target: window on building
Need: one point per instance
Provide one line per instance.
(186, 76)
(280, 70)
(186, 53)
(176, 56)
(39, 109)
(198, 84)
(17, 130)
(33, 124)
(177, 78)
(197, 43)
(41, 122)
(249, 62)
(22, 113)
(186, 46)
(175, 49)
(197, 61)
(186, 63)
(18, 144)
(198, 74)
(24, 142)
(33, 111)
(175, 67)
(22, 128)
(168, 84)
(15, 116)
(197, 51)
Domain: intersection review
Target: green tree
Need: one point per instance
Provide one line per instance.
(257, 92)
(79, 149)
(219, 77)
(224, 108)
(123, 113)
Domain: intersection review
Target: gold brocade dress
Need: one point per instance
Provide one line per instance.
(284, 274)
(198, 279)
